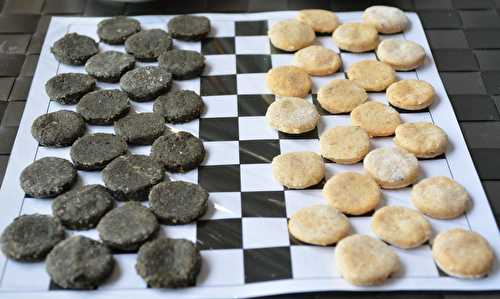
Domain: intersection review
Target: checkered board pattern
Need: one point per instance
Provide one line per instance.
(243, 238)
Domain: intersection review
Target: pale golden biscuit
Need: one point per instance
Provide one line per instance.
(356, 37)
(376, 118)
(463, 253)
(411, 94)
(352, 193)
(402, 55)
(291, 35)
(386, 19)
(392, 167)
(372, 75)
(320, 20)
(364, 260)
(423, 139)
(440, 197)
(341, 96)
(344, 144)
(289, 81)
(319, 225)
(298, 170)
(317, 60)
(292, 115)
(402, 227)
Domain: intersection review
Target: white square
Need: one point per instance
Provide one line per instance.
(192, 127)
(191, 84)
(139, 149)
(60, 152)
(220, 106)
(85, 29)
(330, 121)
(441, 225)
(361, 225)
(221, 267)
(318, 82)
(258, 177)
(378, 97)
(299, 145)
(124, 274)
(281, 59)
(327, 42)
(221, 28)
(416, 262)
(406, 75)
(397, 197)
(263, 232)
(252, 83)
(223, 205)
(219, 65)
(66, 68)
(382, 142)
(91, 233)
(415, 117)
(252, 45)
(187, 45)
(190, 176)
(255, 128)
(89, 177)
(348, 59)
(221, 153)
(25, 276)
(437, 167)
(305, 266)
(141, 106)
(298, 199)
(185, 231)
(36, 205)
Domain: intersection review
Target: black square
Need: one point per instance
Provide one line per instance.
(219, 234)
(263, 204)
(491, 80)
(254, 104)
(266, 264)
(258, 151)
(219, 129)
(220, 178)
(218, 85)
(455, 60)
(217, 45)
(313, 134)
(246, 28)
(253, 63)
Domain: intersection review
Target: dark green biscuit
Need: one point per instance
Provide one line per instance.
(58, 129)
(168, 263)
(109, 66)
(94, 151)
(190, 28)
(147, 45)
(179, 152)
(83, 207)
(74, 49)
(68, 88)
(48, 177)
(140, 128)
(31, 237)
(131, 177)
(103, 107)
(115, 31)
(178, 202)
(183, 64)
(146, 83)
(127, 227)
(80, 263)
(179, 106)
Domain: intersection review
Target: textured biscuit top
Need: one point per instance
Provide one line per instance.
(319, 19)
(385, 19)
(298, 170)
(317, 60)
(411, 94)
(376, 118)
(292, 115)
(344, 144)
(356, 37)
(341, 96)
(423, 139)
(402, 55)
(291, 35)
(289, 81)
(372, 75)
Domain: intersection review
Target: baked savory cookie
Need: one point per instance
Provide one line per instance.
(402, 227)
(411, 94)
(146, 83)
(463, 253)
(183, 64)
(372, 75)
(68, 88)
(109, 66)
(341, 96)
(320, 20)
(356, 37)
(364, 260)
(179, 106)
(292, 115)
(189, 28)
(386, 19)
(291, 35)
(115, 31)
(317, 60)
(289, 81)
(392, 167)
(376, 119)
(319, 225)
(104, 106)
(58, 129)
(74, 49)
(402, 55)
(440, 197)
(140, 128)
(423, 139)
(352, 193)
(94, 151)
(344, 144)
(298, 170)
(147, 45)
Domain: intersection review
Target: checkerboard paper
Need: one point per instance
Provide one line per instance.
(243, 238)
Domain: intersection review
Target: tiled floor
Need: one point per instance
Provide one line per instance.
(464, 36)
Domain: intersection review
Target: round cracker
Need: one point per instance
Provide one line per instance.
(400, 54)
(298, 170)
(411, 94)
(291, 35)
(344, 144)
(317, 60)
(423, 139)
(372, 75)
(376, 118)
(289, 81)
(356, 37)
(320, 20)
(292, 115)
(341, 96)
(386, 19)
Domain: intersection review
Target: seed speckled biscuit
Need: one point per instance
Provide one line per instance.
(463, 253)
(140, 128)
(402, 55)
(183, 64)
(74, 48)
(189, 28)
(376, 119)
(423, 139)
(116, 30)
(148, 45)
(289, 81)
(392, 167)
(104, 106)
(58, 129)
(95, 151)
(411, 94)
(341, 96)
(352, 193)
(356, 37)
(109, 66)
(320, 20)
(317, 60)
(146, 83)
(372, 75)
(386, 19)
(364, 260)
(291, 35)
(344, 144)
(179, 106)
(298, 170)
(440, 197)
(319, 225)
(68, 88)
(292, 115)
